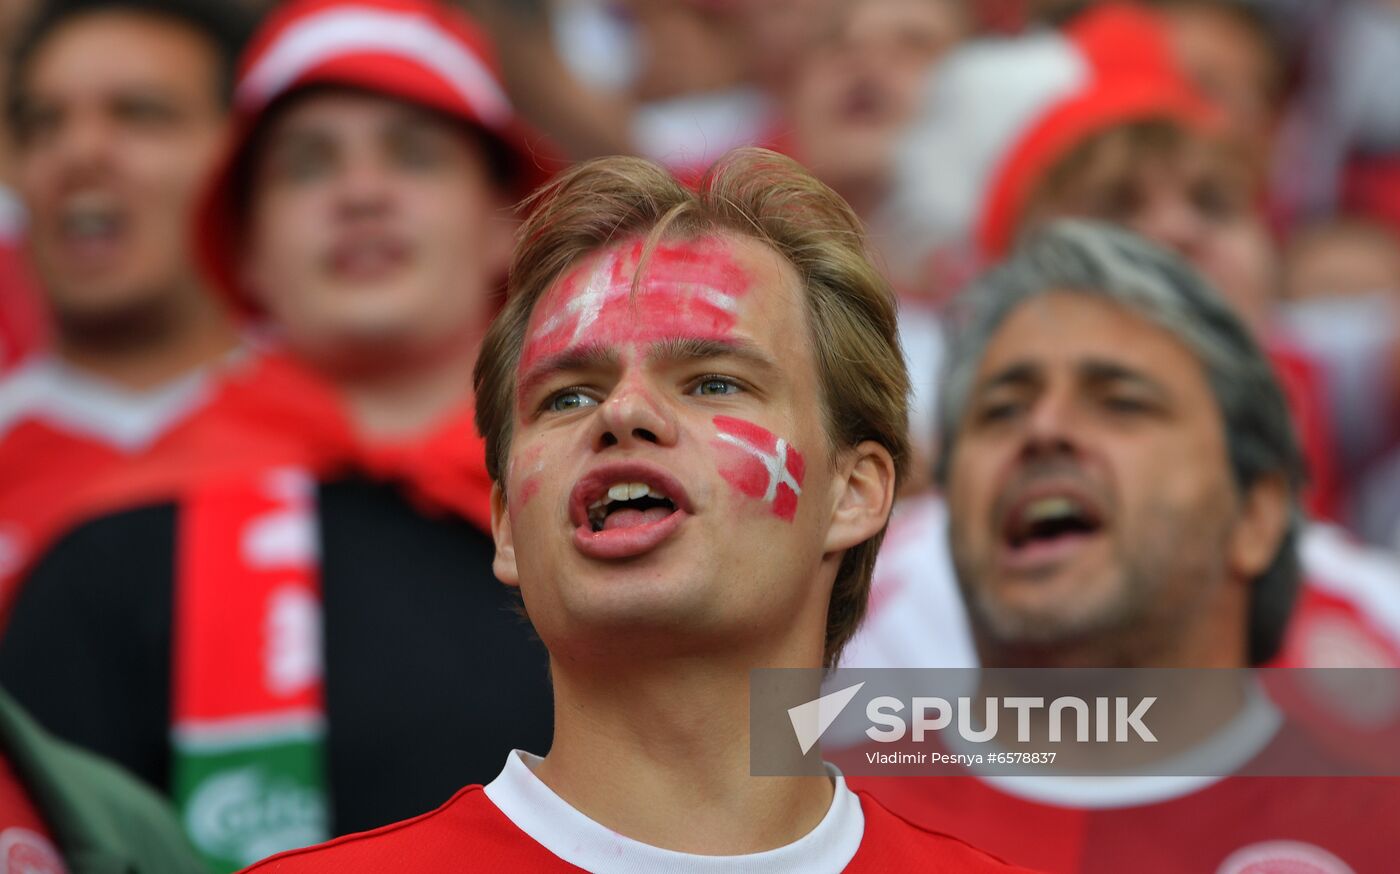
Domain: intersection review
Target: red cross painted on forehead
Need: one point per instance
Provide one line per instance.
(689, 288)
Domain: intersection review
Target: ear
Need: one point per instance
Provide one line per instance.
(504, 563)
(864, 494)
(1260, 528)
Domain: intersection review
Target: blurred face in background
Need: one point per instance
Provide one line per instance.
(859, 85)
(1231, 60)
(120, 118)
(1189, 193)
(373, 231)
(1343, 259)
(1091, 498)
(776, 33)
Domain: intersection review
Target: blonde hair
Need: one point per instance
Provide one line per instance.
(754, 193)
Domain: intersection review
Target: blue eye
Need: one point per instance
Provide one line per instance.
(570, 400)
(716, 385)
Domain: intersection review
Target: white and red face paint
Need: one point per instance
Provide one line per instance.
(689, 288)
(761, 465)
(531, 471)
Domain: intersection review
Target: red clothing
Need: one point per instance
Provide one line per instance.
(271, 411)
(1304, 825)
(1173, 824)
(59, 432)
(1303, 388)
(25, 842)
(471, 827)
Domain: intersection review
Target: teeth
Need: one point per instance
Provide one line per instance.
(1051, 508)
(630, 492)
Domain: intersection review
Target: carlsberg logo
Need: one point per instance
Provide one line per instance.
(246, 815)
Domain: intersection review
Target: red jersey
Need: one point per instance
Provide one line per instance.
(1173, 824)
(518, 824)
(1161, 825)
(61, 430)
(25, 842)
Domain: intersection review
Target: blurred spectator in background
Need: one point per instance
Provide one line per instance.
(1340, 145)
(1097, 122)
(1140, 150)
(854, 93)
(335, 482)
(858, 85)
(1341, 306)
(117, 110)
(1233, 54)
(21, 319)
(1122, 481)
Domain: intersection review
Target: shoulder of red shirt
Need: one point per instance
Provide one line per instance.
(891, 839)
(891, 842)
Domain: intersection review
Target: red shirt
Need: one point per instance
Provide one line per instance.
(1174, 824)
(1301, 825)
(61, 431)
(506, 826)
(25, 843)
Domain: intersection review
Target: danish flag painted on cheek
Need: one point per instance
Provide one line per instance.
(765, 466)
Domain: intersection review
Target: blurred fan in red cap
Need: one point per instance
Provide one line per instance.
(1097, 122)
(360, 223)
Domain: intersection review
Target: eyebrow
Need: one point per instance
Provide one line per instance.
(670, 350)
(1098, 371)
(586, 357)
(1094, 371)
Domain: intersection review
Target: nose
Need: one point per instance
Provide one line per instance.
(364, 188)
(84, 147)
(634, 415)
(1050, 427)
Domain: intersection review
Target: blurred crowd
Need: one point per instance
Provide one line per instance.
(248, 252)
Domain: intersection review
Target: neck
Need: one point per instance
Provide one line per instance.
(148, 346)
(409, 396)
(657, 749)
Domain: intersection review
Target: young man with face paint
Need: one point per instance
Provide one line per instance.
(694, 406)
(1122, 481)
(306, 639)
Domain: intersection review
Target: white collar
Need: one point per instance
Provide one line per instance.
(578, 840)
(48, 389)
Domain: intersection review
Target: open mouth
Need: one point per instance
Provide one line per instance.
(627, 505)
(92, 224)
(1050, 518)
(624, 510)
(1044, 528)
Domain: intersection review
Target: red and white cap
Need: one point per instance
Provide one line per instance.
(1002, 112)
(413, 50)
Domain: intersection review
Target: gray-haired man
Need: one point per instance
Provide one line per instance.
(1119, 463)
(1121, 477)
